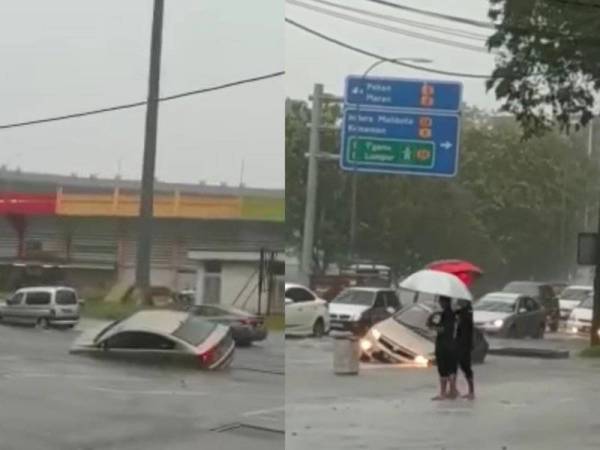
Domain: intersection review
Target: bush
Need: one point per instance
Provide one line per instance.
(591, 352)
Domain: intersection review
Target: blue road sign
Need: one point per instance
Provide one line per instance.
(401, 126)
(403, 93)
(401, 142)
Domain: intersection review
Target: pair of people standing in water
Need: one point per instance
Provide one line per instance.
(453, 346)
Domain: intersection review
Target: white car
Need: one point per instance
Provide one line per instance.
(571, 297)
(580, 320)
(305, 313)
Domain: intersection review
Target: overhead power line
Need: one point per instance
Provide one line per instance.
(437, 15)
(381, 57)
(142, 103)
(380, 26)
(520, 31)
(413, 23)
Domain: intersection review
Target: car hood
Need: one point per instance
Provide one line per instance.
(341, 308)
(582, 313)
(566, 303)
(405, 337)
(488, 316)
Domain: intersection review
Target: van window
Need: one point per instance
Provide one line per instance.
(37, 298)
(65, 297)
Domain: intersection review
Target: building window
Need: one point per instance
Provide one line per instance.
(212, 282)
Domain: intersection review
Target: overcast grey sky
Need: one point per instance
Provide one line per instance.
(310, 59)
(64, 56)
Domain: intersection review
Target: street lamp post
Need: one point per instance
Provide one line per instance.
(353, 209)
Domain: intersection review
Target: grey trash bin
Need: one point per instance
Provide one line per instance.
(346, 354)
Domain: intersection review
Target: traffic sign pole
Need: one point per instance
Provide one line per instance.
(311, 182)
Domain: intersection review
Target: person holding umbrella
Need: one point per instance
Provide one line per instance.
(464, 343)
(445, 349)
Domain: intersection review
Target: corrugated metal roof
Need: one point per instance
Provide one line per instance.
(10, 178)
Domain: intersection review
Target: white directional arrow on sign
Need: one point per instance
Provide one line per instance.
(446, 145)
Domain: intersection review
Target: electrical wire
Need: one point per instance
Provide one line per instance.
(499, 27)
(391, 29)
(414, 23)
(463, 20)
(381, 57)
(142, 103)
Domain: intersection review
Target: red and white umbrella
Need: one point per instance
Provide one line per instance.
(466, 271)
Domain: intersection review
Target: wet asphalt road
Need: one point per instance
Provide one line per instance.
(51, 400)
(528, 404)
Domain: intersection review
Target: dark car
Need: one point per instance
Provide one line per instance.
(359, 308)
(245, 327)
(544, 294)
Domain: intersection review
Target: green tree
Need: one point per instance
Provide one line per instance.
(548, 64)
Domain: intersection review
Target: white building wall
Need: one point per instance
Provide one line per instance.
(239, 280)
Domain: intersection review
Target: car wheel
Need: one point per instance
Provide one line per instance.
(243, 343)
(554, 327)
(42, 322)
(512, 332)
(319, 328)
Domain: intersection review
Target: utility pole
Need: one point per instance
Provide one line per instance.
(311, 182)
(144, 247)
(353, 215)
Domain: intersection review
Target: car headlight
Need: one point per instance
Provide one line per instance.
(574, 330)
(421, 361)
(376, 334)
(497, 323)
(365, 345)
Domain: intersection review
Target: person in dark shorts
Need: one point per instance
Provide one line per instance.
(464, 343)
(445, 349)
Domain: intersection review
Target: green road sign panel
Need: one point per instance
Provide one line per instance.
(398, 153)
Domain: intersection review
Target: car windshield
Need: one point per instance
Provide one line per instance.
(519, 287)
(575, 294)
(496, 304)
(355, 297)
(414, 316)
(106, 329)
(194, 330)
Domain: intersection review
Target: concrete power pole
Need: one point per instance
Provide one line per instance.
(311, 182)
(144, 247)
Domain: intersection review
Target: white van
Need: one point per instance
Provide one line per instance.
(42, 306)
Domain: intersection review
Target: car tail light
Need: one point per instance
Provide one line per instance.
(207, 357)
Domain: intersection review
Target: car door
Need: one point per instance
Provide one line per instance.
(301, 313)
(531, 317)
(393, 304)
(14, 307)
(521, 317)
(378, 310)
(538, 317)
(143, 347)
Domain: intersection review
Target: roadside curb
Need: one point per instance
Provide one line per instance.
(530, 353)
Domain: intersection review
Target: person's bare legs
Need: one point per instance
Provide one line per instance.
(471, 394)
(443, 388)
(453, 391)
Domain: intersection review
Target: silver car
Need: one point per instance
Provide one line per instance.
(509, 315)
(43, 307)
